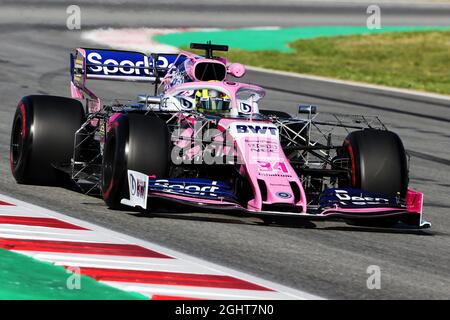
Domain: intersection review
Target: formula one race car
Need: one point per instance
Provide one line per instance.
(201, 140)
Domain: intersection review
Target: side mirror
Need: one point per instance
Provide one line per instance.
(236, 70)
(307, 109)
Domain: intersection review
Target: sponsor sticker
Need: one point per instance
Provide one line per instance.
(123, 64)
(138, 186)
(355, 198)
(283, 195)
(253, 129)
(346, 198)
(245, 108)
(186, 188)
(279, 167)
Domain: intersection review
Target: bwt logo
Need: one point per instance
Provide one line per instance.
(132, 64)
(255, 129)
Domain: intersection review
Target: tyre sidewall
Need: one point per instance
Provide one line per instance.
(141, 144)
(379, 162)
(115, 162)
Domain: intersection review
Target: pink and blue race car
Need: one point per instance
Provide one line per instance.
(203, 140)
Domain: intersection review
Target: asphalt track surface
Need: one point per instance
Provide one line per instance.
(329, 260)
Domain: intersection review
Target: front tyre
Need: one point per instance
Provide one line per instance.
(378, 162)
(134, 142)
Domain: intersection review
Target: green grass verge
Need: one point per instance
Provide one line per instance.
(22, 277)
(412, 60)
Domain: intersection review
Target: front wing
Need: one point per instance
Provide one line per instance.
(216, 196)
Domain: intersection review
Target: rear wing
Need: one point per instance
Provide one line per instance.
(103, 64)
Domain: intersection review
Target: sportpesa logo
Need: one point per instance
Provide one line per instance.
(103, 63)
(191, 189)
(346, 198)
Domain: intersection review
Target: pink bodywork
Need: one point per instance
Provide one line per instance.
(273, 167)
(192, 60)
(414, 201)
(81, 92)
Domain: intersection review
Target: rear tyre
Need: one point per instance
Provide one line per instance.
(134, 142)
(42, 137)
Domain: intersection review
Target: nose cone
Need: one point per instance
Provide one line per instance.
(270, 173)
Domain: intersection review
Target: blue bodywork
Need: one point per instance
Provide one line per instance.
(355, 198)
(198, 188)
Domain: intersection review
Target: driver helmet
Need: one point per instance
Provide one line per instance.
(211, 100)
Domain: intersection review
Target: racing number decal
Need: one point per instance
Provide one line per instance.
(272, 167)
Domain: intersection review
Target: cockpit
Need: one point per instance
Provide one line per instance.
(221, 98)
